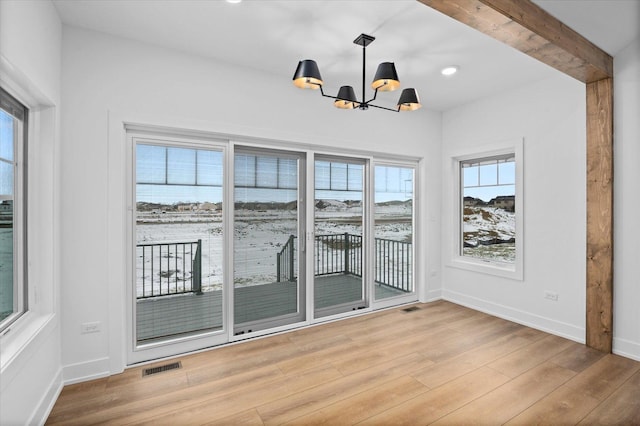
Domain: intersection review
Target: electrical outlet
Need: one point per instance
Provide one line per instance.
(551, 295)
(90, 327)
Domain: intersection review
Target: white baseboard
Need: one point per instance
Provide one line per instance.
(626, 348)
(83, 371)
(48, 400)
(538, 322)
(432, 296)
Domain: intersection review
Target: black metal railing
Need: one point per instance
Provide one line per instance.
(342, 254)
(394, 264)
(169, 268)
(285, 261)
(338, 254)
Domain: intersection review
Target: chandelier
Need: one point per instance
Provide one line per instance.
(307, 76)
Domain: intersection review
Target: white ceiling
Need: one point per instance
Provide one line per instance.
(273, 35)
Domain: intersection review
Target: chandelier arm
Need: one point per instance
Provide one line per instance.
(374, 95)
(322, 91)
(326, 96)
(381, 107)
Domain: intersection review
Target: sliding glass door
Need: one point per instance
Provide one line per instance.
(300, 244)
(178, 247)
(339, 241)
(268, 266)
(393, 231)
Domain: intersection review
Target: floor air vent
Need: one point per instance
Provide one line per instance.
(411, 309)
(161, 368)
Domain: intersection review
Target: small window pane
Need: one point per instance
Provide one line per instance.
(181, 166)
(288, 173)
(6, 178)
(489, 174)
(267, 172)
(151, 164)
(338, 176)
(380, 177)
(507, 173)
(470, 176)
(355, 177)
(245, 170)
(209, 167)
(6, 136)
(323, 175)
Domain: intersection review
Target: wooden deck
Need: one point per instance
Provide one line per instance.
(441, 363)
(190, 313)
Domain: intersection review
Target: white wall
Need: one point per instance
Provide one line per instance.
(104, 77)
(550, 116)
(30, 374)
(626, 291)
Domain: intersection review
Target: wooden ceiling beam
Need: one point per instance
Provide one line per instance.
(525, 26)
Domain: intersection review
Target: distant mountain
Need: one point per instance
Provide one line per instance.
(325, 205)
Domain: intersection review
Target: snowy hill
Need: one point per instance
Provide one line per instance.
(488, 225)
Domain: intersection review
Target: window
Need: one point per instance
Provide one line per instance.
(13, 294)
(393, 231)
(489, 211)
(488, 208)
(179, 240)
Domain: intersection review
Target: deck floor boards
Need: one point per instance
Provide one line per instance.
(187, 313)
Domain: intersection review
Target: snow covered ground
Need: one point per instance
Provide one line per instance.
(258, 236)
(489, 233)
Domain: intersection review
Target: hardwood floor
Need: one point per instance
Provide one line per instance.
(442, 364)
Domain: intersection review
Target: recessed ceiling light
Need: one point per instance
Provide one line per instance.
(234, 1)
(450, 70)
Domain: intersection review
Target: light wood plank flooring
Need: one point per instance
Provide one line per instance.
(442, 364)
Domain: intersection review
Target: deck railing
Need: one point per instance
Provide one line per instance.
(285, 261)
(338, 254)
(169, 269)
(342, 254)
(394, 264)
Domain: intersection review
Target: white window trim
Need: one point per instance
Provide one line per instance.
(507, 270)
(39, 318)
(19, 196)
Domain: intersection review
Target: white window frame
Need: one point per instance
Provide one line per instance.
(19, 198)
(142, 352)
(513, 270)
(413, 295)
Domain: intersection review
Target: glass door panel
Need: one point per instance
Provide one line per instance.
(268, 272)
(339, 243)
(393, 231)
(179, 242)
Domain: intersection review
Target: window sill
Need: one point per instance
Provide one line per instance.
(19, 336)
(487, 267)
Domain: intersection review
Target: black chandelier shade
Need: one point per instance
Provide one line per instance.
(386, 78)
(409, 100)
(307, 76)
(346, 98)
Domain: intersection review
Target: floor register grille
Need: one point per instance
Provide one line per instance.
(161, 368)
